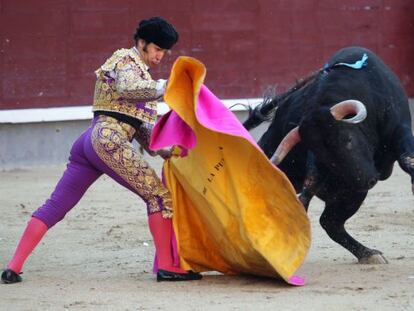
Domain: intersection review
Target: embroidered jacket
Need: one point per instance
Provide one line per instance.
(125, 86)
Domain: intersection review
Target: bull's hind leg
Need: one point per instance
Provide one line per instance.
(406, 162)
(337, 212)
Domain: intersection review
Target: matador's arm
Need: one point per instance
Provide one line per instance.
(143, 136)
(130, 83)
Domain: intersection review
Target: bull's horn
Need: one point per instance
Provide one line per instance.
(290, 140)
(340, 110)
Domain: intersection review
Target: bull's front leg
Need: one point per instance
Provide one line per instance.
(405, 151)
(339, 208)
(310, 183)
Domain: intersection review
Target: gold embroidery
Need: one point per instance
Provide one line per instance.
(134, 85)
(111, 142)
(130, 83)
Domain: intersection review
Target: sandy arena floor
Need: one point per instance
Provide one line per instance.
(100, 257)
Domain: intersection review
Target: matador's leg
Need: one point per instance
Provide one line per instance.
(76, 179)
(113, 153)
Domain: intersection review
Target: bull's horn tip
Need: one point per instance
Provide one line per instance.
(275, 160)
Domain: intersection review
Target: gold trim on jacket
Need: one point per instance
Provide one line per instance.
(124, 85)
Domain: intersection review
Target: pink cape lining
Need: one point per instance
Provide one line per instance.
(210, 112)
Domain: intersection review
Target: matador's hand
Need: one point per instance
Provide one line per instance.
(165, 153)
(160, 87)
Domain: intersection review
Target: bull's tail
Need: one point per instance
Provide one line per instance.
(262, 112)
(267, 109)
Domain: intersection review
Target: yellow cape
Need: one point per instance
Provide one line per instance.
(234, 212)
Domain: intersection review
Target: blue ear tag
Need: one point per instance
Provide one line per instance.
(357, 65)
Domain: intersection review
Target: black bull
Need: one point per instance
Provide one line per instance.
(339, 153)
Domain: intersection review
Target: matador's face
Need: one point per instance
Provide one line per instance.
(151, 53)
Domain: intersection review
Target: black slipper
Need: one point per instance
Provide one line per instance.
(164, 275)
(9, 277)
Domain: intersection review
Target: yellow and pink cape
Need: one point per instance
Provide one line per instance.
(234, 212)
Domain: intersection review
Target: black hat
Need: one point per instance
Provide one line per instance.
(158, 31)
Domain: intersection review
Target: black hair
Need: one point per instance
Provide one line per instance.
(158, 31)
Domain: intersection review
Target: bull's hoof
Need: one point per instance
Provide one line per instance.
(375, 259)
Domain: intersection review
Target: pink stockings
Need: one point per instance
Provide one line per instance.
(34, 232)
(161, 230)
(162, 233)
